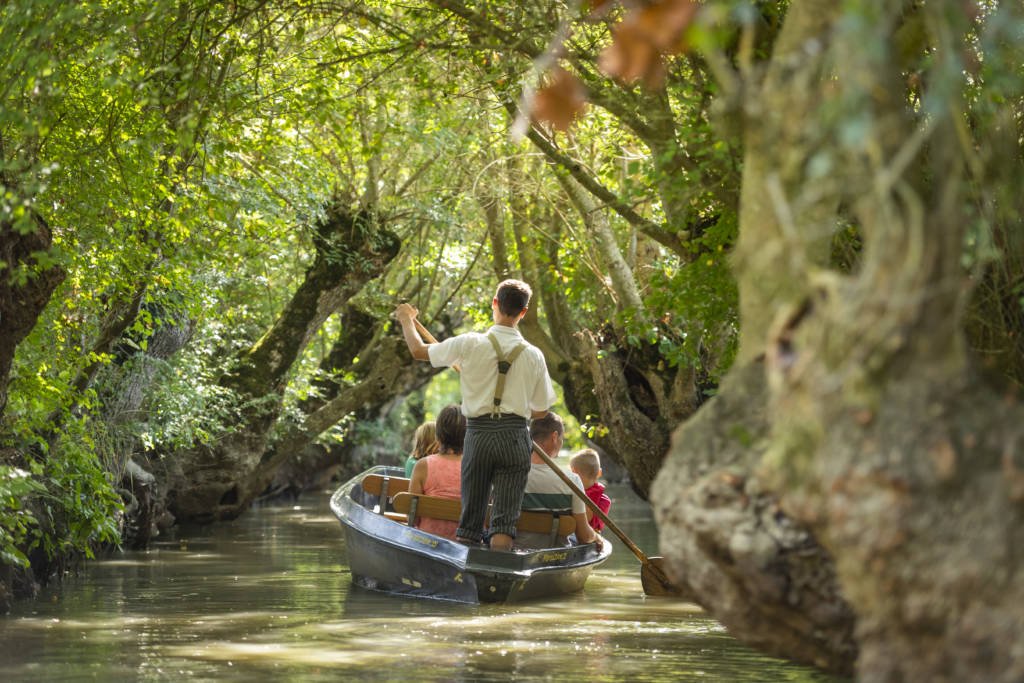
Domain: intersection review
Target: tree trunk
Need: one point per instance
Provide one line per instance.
(863, 469)
(22, 300)
(123, 387)
(221, 480)
(725, 536)
(639, 398)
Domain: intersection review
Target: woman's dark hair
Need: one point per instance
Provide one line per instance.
(450, 427)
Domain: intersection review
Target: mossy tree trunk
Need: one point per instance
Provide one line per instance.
(220, 481)
(25, 289)
(852, 496)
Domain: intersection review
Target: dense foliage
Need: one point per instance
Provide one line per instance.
(180, 154)
(171, 172)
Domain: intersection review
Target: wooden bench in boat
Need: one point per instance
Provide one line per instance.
(397, 488)
(375, 483)
(418, 505)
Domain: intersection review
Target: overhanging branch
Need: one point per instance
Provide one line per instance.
(671, 240)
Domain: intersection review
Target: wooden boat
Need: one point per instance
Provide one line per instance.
(386, 554)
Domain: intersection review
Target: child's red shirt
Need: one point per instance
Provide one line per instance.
(596, 493)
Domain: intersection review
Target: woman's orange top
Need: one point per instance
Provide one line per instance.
(444, 480)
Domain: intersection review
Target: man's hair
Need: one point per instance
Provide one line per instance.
(542, 427)
(513, 297)
(451, 428)
(586, 462)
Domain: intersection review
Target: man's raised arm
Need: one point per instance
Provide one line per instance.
(405, 314)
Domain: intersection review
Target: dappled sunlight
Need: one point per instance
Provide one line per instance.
(271, 593)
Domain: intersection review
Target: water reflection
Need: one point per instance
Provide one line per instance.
(269, 597)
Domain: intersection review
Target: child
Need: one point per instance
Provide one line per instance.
(587, 465)
(424, 443)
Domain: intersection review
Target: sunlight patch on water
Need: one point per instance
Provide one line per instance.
(124, 562)
(269, 597)
(305, 653)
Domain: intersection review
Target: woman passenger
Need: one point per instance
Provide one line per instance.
(440, 475)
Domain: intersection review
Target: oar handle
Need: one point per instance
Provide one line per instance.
(589, 503)
(429, 338)
(424, 332)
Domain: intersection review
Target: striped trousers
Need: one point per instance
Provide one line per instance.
(496, 455)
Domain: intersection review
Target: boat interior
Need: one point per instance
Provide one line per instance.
(392, 499)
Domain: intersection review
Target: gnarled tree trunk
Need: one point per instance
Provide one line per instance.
(221, 480)
(873, 474)
(23, 298)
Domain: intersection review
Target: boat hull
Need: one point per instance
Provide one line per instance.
(389, 556)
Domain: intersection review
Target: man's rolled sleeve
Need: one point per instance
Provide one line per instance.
(543, 396)
(444, 354)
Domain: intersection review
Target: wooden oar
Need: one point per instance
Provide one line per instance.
(652, 569)
(424, 332)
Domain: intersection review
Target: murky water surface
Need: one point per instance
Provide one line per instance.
(269, 597)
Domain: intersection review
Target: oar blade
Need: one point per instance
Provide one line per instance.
(656, 582)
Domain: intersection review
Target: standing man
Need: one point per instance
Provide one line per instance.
(504, 383)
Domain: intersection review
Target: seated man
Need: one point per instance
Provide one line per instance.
(546, 492)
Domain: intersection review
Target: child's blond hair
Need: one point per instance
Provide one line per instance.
(425, 441)
(586, 463)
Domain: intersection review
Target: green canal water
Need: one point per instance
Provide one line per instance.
(269, 597)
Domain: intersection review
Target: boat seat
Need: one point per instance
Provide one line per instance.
(375, 484)
(451, 508)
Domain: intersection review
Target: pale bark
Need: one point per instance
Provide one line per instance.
(596, 221)
(494, 222)
(672, 239)
(891, 461)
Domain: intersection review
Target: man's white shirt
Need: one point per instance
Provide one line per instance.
(527, 385)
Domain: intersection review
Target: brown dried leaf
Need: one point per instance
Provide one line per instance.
(632, 56)
(561, 101)
(665, 22)
(642, 40)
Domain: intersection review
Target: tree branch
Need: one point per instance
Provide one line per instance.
(673, 241)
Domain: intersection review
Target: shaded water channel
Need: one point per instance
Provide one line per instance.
(269, 597)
